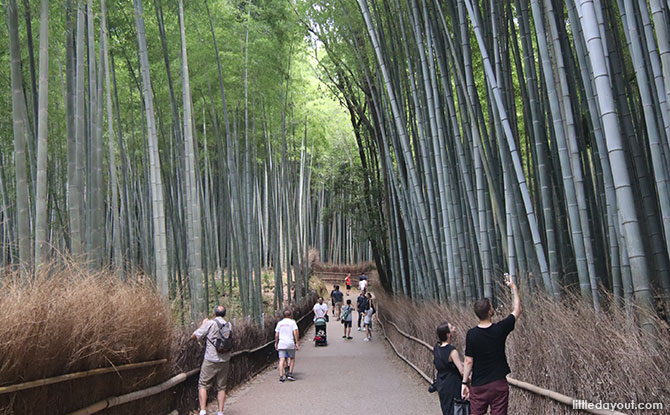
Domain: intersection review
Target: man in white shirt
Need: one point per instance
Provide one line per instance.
(320, 309)
(214, 369)
(362, 285)
(286, 343)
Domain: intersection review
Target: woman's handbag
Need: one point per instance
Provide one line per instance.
(461, 407)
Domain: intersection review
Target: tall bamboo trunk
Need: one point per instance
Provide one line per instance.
(158, 215)
(19, 120)
(41, 225)
(625, 200)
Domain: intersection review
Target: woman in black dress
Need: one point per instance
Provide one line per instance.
(449, 369)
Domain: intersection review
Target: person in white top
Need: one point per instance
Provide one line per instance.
(367, 322)
(320, 309)
(286, 343)
(362, 285)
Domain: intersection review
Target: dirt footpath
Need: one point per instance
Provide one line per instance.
(347, 376)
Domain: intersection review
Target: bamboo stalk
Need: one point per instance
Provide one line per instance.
(77, 375)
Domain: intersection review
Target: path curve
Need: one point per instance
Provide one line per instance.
(347, 376)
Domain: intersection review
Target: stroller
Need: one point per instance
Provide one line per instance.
(320, 338)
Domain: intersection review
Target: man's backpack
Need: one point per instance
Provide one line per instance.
(223, 338)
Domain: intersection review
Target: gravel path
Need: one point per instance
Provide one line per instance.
(346, 377)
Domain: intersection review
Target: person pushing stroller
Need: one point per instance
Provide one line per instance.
(320, 320)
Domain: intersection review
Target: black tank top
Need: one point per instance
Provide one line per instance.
(448, 381)
(441, 360)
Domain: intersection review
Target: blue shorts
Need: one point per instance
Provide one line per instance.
(287, 353)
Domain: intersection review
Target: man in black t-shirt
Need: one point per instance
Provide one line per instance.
(485, 357)
(338, 298)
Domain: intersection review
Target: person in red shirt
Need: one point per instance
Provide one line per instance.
(347, 282)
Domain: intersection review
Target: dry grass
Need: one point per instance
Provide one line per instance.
(317, 285)
(354, 269)
(69, 320)
(563, 346)
(313, 257)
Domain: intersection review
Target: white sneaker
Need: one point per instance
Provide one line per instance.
(366, 339)
(359, 329)
(203, 412)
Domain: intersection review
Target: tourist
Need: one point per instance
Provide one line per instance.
(320, 309)
(347, 319)
(363, 283)
(338, 298)
(371, 298)
(361, 306)
(347, 283)
(367, 322)
(286, 344)
(214, 369)
(449, 369)
(485, 357)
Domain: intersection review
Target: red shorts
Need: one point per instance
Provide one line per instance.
(495, 394)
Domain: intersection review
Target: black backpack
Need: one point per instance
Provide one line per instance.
(223, 338)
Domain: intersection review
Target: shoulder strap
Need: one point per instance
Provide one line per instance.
(210, 329)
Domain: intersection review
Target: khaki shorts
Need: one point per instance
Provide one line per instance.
(213, 373)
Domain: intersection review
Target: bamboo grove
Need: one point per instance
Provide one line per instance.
(192, 141)
(520, 135)
(176, 139)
